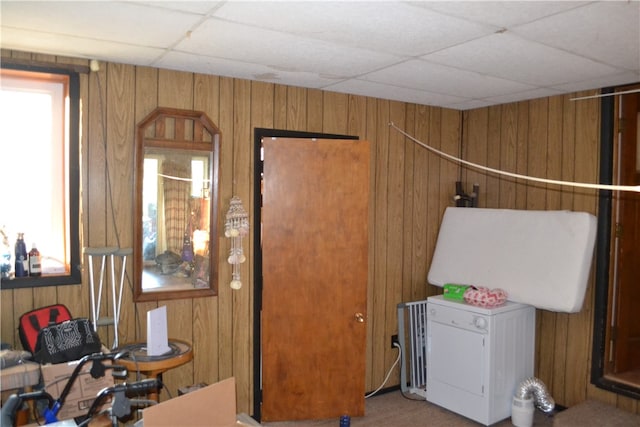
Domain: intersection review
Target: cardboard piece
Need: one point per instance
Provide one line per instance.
(84, 389)
(213, 406)
(22, 375)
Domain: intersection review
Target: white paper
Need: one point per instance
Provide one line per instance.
(157, 340)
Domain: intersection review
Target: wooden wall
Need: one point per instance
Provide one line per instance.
(550, 137)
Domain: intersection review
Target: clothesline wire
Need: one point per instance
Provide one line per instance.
(604, 95)
(635, 188)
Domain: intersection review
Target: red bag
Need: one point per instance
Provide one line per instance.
(32, 321)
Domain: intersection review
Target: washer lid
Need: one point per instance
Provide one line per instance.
(461, 305)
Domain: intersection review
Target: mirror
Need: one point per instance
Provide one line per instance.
(176, 206)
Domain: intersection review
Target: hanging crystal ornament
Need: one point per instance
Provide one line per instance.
(235, 228)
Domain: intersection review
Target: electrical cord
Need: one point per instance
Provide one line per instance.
(103, 126)
(366, 396)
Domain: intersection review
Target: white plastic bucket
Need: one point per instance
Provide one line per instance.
(522, 412)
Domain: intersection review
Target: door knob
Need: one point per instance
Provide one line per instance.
(359, 317)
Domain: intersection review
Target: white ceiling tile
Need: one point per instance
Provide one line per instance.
(511, 57)
(56, 44)
(127, 23)
(443, 79)
(518, 96)
(389, 91)
(244, 70)
(607, 32)
(468, 105)
(199, 7)
(500, 13)
(281, 51)
(396, 28)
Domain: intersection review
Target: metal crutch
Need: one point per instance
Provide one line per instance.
(95, 305)
(122, 253)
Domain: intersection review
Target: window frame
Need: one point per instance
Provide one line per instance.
(74, 276)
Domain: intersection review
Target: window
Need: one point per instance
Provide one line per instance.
(39, 133)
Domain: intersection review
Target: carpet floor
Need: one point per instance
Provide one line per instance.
(394, 410)
(597, 414)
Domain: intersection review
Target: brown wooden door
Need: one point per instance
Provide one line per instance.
(315, 263)
(627, 322)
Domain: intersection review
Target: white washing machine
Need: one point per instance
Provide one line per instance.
(477, 356)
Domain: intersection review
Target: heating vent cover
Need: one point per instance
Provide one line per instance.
(412, 326)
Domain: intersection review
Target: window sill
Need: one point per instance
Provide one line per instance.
(44, 280)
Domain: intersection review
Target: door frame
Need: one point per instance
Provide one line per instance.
(260, 133)
(603, 246)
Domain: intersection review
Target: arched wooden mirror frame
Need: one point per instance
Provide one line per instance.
(169, 133)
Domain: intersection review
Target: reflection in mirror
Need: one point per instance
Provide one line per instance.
(177, 208)
(175, 237)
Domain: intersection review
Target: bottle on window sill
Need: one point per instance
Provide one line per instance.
(22, 261)
(35, 265)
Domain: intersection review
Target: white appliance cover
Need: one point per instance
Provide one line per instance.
(541, 258)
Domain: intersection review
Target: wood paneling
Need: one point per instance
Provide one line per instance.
(551, 137)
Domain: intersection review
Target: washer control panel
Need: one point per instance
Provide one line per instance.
(459, 318)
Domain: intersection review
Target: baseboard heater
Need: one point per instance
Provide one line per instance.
(412, 325)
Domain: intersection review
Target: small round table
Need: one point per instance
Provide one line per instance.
(155, 366)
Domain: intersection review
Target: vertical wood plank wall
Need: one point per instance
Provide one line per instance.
(549, 137)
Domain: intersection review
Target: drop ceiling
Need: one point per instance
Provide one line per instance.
(456, 54)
